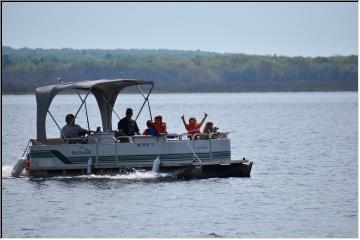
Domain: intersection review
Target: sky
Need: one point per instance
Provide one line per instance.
(291, 29)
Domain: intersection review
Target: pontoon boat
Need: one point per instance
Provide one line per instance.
(103, 153)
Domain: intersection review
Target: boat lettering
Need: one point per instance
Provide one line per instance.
(145, 144)
(82, 150)
(202, 147)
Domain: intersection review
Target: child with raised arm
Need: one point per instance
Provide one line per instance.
(193, 127)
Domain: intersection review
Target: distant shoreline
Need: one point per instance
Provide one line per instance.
(25, 69)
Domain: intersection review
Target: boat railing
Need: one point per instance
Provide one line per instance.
(108, 138)
(48, 141)
(58, 141)
(204, 136)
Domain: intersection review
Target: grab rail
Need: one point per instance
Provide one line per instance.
(26, 148)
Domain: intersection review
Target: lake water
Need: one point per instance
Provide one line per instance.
(304, 181)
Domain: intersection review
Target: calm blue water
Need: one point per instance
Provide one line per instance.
(303, 184)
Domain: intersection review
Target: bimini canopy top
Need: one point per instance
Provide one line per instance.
(105, 92)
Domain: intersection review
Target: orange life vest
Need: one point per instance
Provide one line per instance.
(193, 129)
(161, 128)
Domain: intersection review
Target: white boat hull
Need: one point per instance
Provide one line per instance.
(106, 153)
(102, 152)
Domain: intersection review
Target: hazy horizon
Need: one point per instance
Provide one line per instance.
(285, 29)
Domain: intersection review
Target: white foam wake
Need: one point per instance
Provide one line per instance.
(6, 171)
(156, 165)
(136, 175)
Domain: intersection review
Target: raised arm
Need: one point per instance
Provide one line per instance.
(183, 119)
(203, 120)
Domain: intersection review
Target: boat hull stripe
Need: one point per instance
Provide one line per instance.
(130, 158)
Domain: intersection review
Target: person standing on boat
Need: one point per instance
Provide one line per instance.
(72, 130)
(127, 126)
(193, 127)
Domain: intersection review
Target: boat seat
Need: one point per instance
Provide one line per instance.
(49, 141)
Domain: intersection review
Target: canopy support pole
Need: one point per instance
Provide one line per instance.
(146, 100)
(87, 116)
(54, 120)
(108, 102)
(83, 101)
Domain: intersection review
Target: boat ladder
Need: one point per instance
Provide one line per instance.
(27, 149)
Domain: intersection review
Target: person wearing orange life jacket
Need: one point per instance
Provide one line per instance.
(159, 125)
(151, 130)
(193, 127)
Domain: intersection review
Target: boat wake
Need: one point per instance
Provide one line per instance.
(6, 171)
(135, 175)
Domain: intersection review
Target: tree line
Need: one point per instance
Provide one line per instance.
(179, 71)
